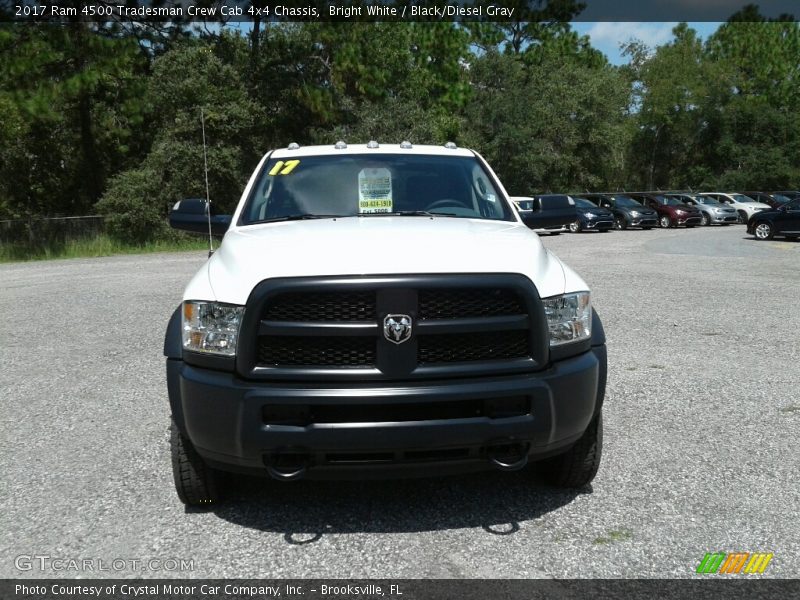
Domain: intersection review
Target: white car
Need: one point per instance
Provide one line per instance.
(379, 309)
(745, 206)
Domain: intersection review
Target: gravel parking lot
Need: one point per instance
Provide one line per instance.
(702, 421)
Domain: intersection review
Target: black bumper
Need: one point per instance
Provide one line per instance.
(242, 425)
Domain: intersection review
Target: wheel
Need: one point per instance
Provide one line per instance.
(705, 221)
(742, 217)
(575, 227)
(764, 231)
(577, 466)
(620, 223)
(195, 481)
(665, 222)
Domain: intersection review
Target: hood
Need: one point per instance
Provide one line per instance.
(642, 210)
(599, 212)
(374, 246)
(756, 204)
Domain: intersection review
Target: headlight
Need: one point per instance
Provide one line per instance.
(588, 215)
(680, 212)
(634, 213)
(569, 318)
(211, 327)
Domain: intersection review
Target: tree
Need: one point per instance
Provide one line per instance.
(184, 81)
(553, 126)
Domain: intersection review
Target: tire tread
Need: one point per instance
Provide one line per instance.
(195, 481)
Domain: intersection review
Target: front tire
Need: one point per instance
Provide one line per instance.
(665, 222)
(705, 221)
(578, 466)
(620, 223)
(575, 227)
(195, 481)
(742, 217)
(764, 232)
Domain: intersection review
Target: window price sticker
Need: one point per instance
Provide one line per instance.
(374, 191)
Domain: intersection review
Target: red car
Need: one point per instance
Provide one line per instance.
(671, 211)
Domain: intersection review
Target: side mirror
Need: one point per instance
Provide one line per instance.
(192, 215)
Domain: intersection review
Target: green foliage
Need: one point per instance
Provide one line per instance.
(184, 81)
(549, 126)
(131, 206)
(111, 112)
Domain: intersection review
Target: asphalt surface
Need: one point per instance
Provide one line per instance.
(702, 421)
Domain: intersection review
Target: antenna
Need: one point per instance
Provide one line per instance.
(208, 197)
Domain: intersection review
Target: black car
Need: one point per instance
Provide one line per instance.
(590, 217)
(782, 221)
(551, 213)
(791, 194)
(627, 211)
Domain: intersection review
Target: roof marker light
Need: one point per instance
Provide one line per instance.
(340, 145)
(450, 146)
(293, 146)
(372, 144)
(405, 145)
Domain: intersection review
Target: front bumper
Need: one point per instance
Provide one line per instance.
(244, 426)
(643, 221)
(723, 218)
(597, 224)
(690, 220)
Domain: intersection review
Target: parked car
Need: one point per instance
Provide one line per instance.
(590, 217)
(627, 211)
(745, 206)
(772, 199)
(408, 322)
(712, 212)
(781, 221)
(546, 213)
(671, 211)
(791, 194)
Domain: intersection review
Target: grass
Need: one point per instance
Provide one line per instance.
(101, 245)
(616, 535)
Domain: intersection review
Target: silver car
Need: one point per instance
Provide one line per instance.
(714, 212)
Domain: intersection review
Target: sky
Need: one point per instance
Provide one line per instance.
(607, 36)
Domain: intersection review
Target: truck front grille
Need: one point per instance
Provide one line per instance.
(466, 347)
(463, 325)
(354, 306)
(328, 351)
(460, 303)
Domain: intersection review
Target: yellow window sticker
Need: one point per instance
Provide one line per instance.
(283, 168)
(374, 191)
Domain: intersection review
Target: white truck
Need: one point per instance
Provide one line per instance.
(379, 310)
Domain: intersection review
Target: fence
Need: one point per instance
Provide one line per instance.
(50, 230)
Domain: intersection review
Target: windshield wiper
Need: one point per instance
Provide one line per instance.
(407, 213)
(302, 217)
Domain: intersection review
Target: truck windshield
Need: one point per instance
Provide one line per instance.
(373, 185)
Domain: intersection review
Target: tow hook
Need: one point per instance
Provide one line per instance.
(287, 466)
(508, 456)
